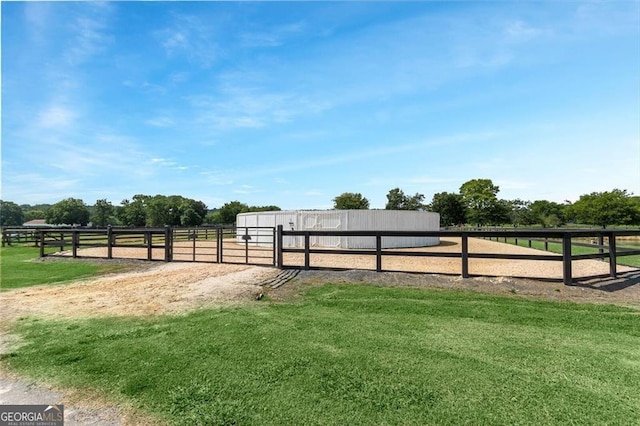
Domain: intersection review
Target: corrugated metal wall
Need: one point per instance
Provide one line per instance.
(359, 220)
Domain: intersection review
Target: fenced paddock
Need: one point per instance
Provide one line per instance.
(463, 253)
(205, 244)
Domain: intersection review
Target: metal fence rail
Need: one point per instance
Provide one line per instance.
(202, 244)
(264, 246)
(565, 237)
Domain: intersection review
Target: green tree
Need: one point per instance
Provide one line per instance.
(549, 214)
(226, 215)
(451, 208)
(192, 212)
(102, 213)
(10, 214)
(133, 213)
(70, 211)
(498, 213)
(33, 215)
(606, 208)
(350, 201)
(520, 212)
(480, 198)
(270, 208)
(397, 200)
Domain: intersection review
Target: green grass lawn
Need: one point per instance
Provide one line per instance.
(576, 250)
(19, 270)
(356, 354)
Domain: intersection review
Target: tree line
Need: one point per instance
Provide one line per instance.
(139, 211)
(476, 203)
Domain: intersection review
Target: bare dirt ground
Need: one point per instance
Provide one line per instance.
(174, 288)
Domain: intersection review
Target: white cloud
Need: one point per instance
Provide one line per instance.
(251, 107)
(161, 121)
(91, 34)
(270, 37)
(191, 37)
(56, 117)
(518, 32)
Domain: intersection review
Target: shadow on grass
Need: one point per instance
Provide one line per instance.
(610, 284)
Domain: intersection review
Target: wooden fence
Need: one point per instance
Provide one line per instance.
(567, 238)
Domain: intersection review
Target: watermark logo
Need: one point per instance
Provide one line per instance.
(32, 415)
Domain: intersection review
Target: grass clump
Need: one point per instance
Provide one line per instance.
(20, 267)
(356, 354)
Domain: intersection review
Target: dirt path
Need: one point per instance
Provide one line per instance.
(166, 288)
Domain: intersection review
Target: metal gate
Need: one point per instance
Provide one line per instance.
(241, 245)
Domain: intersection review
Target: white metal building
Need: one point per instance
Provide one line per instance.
(351, 220)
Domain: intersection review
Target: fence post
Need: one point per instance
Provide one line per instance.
(74, 243)
(280, 238)
(378, 253)
(465, 256)
(601, 244)
(149, 238)
(273, 235)
(41, 243)
(246, 237)
(566, 259)
(109, 242)
(612, 256)
(221, 245)
(306, 251)
(218, 245)
(168, 243)
(546, 243)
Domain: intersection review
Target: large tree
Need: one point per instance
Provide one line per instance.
(451, 208)
(226, 215)
(70, 211)
(350, 201)
(480, 197)
(606, 208)
(397, 200)
(549, 214)
(102, 213)
(520, 212)
(10, 214)
(133, 213)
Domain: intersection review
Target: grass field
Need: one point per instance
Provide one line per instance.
(577, 250)
(356, 354)
(18, 269)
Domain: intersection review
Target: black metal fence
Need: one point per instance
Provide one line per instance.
(567, 238)
(264, 246)
(201, 244)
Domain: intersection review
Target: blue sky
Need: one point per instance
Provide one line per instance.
(294, 103)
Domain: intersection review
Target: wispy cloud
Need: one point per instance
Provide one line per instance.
(191, 37)
(56, 117)
(270, 37)
(91, 33)
(161, 121)
(251, 107)
(170, 164)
